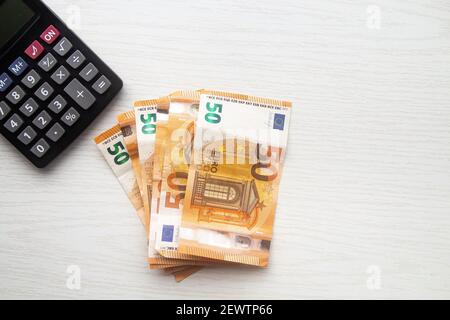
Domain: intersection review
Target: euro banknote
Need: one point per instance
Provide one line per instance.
(231, 196)
(112, 146)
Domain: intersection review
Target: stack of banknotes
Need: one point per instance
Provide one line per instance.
(202, 170)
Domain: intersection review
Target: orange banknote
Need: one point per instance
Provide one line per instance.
(233, 182)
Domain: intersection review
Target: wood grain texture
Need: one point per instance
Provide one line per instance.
(366, 181)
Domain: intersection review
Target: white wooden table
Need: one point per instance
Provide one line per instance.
(364, 210)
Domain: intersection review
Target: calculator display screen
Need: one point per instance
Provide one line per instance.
(14, 15)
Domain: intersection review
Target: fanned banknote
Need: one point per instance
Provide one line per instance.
(202, 168)
(232, 190)
(175, 158)
(112, 146)
(145, 112)
(127, 124)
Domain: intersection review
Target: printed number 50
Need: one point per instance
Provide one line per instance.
(148, 127)
(120, 157)
(212, 116)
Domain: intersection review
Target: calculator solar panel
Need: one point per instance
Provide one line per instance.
(52, 86)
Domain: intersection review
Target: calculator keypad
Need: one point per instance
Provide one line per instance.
(45, 91)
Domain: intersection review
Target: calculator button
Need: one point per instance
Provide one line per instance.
(15, 95)
(31, 79)
(57, 104)
(102, 85)
(29, 107)
(61, 75)
(76, 59)
(70, 117)
(82, 96)
(55, 133)
(18, 66)
(89, 72)
(27, 135)
(50, 34)
(42, 120)
(4, 110)
(34, 50)
(48, 62)
(40, 148)
(5, 82)
(63, 47)
(44, 92)
(14, 123)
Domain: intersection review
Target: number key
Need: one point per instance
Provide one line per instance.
(58, 104)
(31, 79)
(27, 135)
(40, 148)
(4, 110)
(44, 92)
(14, 123)
(42, 120)
(16, 95)
(29, 107)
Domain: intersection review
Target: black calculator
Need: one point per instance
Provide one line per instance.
(52, 86)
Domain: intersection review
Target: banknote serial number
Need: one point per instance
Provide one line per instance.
(226, 310)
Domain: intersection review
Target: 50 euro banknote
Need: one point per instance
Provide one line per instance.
(233, 181)
(112, 146)
(175, 160)
(151, 117)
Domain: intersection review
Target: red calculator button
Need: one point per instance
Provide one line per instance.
(50, 34)
(34, 50)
